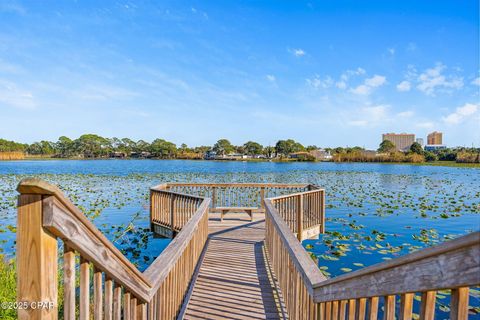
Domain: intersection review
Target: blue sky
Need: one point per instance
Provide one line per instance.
(328, 73)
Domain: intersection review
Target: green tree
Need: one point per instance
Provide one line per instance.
(223, 147)
(163, 149)
(201, 149)
(269, 151)
(11, 146)
(416, 148)
(386, 146)
(93, 146)
(141, 146)
(253, 148)
(285, 147)
(65, 147)
(430, 156)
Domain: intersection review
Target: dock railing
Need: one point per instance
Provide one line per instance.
(237, 194)
(453, 265)
(46, 219)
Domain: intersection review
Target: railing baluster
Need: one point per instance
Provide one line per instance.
(362, 305)
(343, 310)
(351, 309)
(372, 308)
(126, 306)
(427, 309)
(328, 310)
(68, 283)
(406, 306)
(84, 289)
(97, 295)
(334, 310)
(108, 298)
(389, 308)
(459, 304)
(117, 302)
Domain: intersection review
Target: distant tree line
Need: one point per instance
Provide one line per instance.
(95, 146)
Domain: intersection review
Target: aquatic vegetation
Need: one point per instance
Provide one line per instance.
(372, 216)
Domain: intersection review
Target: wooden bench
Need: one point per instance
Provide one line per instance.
(224, 210)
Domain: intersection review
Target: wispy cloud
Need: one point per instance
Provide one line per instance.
(297, 52)
(432, 80)
(271, 77)
(462, 113)
(317, 83)
(370, 116)
(14, 96)
(369, 84)
(476, 81)
(404, 86)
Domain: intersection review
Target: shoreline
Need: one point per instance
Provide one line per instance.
(433, 163)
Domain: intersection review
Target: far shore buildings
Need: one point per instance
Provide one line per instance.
(402, 141)
(435, 138)
(435, 141)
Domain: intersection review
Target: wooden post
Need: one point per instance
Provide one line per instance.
(262, 196)
(172, 214)
(214, 197)
(300, 218)
(322, 226)
(37, 261)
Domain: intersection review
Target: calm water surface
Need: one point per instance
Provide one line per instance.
(374, 212)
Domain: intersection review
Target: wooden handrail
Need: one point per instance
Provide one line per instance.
(305, 265)
(65, 206)
(46, 215)
(159, 268)
(449, 265)
(245, 185)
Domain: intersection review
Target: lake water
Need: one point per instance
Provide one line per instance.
(374, 211)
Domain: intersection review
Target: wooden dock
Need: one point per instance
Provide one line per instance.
(214, 269)
(234, 280)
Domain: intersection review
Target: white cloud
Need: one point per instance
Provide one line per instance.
(368, 85)
(391, 51)
(361, 89)
(298, 52)
(406, 114)
(341, 85)
(476, 81)
(462, 113)
(404, 86)
(375, 81)
(12, 95)
(432, 80)
(370, 115)
(271, 78)
(318, 83)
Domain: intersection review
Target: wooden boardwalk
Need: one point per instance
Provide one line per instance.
(234, 280)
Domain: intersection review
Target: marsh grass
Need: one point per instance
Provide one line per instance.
(8, 287)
